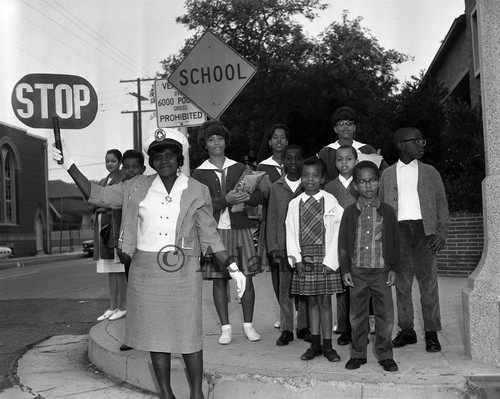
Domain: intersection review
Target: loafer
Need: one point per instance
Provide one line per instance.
(331, 355)
(285, 338)
(344, 339)
(355, 363)
(404, 337)
(305, 334)
(431, 342)
(124, 347)
(118, 315)
(107, 314)
(389, 365)
(311, 353)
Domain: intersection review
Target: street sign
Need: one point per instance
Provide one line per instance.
(212, 75)
(174, 109)
(39, 97)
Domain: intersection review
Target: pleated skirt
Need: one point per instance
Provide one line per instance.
(314, 282)
(241, 248)
(164, 304)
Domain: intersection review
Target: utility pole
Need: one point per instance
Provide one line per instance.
(138, 114)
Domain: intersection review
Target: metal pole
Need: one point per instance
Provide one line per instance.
(139, 115)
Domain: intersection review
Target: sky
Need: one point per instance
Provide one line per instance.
(108, 41)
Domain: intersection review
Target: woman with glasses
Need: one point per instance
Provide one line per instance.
(344, 123)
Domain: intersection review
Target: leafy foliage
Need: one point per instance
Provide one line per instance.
(299, 80)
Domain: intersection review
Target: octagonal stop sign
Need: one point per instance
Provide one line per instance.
(212, 75)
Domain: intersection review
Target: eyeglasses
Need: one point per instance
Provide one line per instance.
(418, 141)
(372, 182)
(344, 123)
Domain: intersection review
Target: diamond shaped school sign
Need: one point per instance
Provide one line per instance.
(212, 75)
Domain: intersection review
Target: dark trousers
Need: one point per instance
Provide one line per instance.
(343, 323)
(371, 283)
(416, 257)
(287, 300)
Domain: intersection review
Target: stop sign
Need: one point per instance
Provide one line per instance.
(37, 98)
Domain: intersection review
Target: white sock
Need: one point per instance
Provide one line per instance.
(250, 332)
(226, 335)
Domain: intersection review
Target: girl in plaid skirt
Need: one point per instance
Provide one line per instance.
(312, 228)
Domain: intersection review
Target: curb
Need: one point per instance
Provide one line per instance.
(40, 260)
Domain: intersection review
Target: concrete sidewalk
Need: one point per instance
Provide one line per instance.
(59, 367)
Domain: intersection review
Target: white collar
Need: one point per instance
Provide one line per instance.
(304, 197)
(180, 184)
(345, 181)
(207, 165)
(413, 164)
(356, 144)
(270, 161)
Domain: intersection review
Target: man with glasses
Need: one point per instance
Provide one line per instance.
(416, 192)
(344, 124)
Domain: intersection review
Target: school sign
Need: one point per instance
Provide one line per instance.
(212, 75)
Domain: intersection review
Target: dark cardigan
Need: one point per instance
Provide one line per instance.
(239, 220)
(390, 237)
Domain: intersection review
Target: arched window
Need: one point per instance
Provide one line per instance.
(8, 200)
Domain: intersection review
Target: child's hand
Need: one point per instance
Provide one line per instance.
(436, 243)
(391, 278)
(327, 271)
(347, 279)
(299, 267)
(234, 197)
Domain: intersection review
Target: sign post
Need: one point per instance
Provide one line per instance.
(212, 75)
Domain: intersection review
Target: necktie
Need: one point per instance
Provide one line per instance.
(223, 188)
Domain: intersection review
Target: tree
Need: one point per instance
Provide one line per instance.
(299, 80)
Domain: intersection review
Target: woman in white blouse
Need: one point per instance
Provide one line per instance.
(167, 223)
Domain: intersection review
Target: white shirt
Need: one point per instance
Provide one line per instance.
(408, 199)
(224, 219)
(356, 144)
(345, 182)
(158, 213)
(293, 184)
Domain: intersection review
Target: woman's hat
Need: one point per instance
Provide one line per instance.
(161, 137)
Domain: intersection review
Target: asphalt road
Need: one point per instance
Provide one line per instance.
(42, 300)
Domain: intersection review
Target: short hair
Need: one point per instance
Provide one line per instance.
(134, 154)
(278, 126)
(313, 161)
(349, 147)
(116, 153)
(210, 128)
(293, 147)
(403, 134)
(365, 165)
(163, 147)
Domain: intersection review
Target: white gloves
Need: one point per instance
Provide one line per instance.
(239, 279)
(57, 156)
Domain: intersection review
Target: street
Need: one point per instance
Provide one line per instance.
(42, 300)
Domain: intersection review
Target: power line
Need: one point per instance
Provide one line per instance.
(120, 62)
(96, 36)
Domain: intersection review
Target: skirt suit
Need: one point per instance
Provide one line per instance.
(165, 284)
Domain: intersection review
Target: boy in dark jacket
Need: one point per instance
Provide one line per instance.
(369, 259)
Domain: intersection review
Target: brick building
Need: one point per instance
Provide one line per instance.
(24, 205)
(456, 64)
